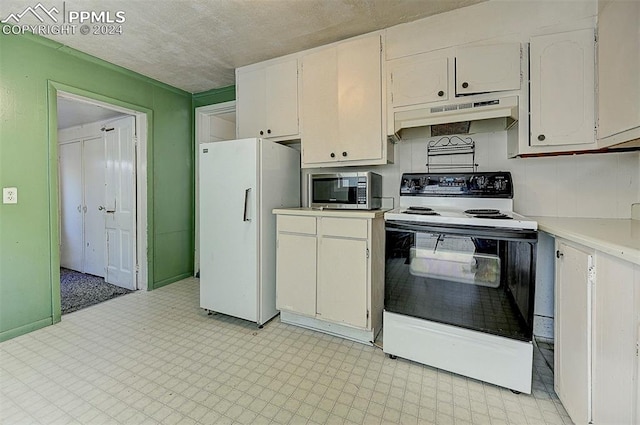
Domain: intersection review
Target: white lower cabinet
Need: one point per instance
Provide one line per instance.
(572, 361)
(328, 274)
(597, 325)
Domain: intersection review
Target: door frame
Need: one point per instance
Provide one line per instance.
(202, 132)
(144, 167)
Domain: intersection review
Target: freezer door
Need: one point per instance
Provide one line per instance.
(229, 223)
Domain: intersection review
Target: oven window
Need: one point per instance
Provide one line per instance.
(335, 190)
(479, 283)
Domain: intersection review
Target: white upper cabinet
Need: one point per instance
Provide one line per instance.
(341, 106)
(618, 72)
(442, 75)
(418, 79)
(267, 100)
(562, 94)
(481, 69)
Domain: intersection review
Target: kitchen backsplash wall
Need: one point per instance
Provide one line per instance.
(591, 185)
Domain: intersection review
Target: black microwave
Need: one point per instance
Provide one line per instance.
(357, 191)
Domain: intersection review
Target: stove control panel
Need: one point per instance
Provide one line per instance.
(495, 184)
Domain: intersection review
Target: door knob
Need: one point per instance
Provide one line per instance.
(333, 155)
(440, 93)
(465, 85)
(344, 154)
(101, 208)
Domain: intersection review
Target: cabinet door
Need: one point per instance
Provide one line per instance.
(418, 79)
(319, 106)
(296, 273)
(481, 69)
(360, 99)
(618, 68)
(616, 299)
(562, 88)
(572, 362)
(342, 281)
(281, 90)
(251, 103)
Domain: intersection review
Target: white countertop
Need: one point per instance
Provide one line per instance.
(331, 213)
(617, 237)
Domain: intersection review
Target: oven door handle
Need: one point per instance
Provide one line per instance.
(470, 231)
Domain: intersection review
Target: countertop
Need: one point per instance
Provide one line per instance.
(331, 213)
(617, 237)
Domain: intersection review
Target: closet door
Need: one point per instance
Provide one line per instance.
(71, 204)
(94, 217)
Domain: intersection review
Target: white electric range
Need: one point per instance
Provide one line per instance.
(460, 277)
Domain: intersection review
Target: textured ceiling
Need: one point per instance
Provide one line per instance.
(195, 45)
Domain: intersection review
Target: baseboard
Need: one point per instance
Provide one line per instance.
(12, 333)
(170, 280)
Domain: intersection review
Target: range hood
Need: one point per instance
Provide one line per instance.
(460, 110)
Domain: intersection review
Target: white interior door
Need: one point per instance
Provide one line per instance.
(120, 195)
(71, 206)
(94, 217)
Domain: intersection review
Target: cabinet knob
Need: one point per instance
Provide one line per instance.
(541, 137)
(269, 131)
(261, 132)
(559, 254)
(465, 85)
(344, 154)
(333, 155)
(440, 93)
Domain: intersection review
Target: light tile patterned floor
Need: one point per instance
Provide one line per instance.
(156, 357)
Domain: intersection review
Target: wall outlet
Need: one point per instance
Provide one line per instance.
(9, 195)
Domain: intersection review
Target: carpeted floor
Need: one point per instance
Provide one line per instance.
(79, 290)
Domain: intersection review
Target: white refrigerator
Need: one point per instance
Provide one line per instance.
(241, 182)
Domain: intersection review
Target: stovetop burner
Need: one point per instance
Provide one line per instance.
(498, 215)
(482, 211)
(420, 212)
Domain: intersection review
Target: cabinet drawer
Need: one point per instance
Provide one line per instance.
(344, 227)
(297, 224)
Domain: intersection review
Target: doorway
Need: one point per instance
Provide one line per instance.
(102, 203)
(214, 123)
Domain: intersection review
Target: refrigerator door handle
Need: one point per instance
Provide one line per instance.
(246, 201)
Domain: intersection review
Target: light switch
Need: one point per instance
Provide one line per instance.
(9, 195)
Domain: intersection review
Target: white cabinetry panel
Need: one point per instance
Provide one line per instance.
(332, 279)
(296, 272)
(342, 281)
(572, 363)
(341, 105)
(618, 72)
(616, 308)
(562, 88)
(481, 69)
(418, 79)
(267, 100)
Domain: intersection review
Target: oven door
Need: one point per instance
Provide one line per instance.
(478, 278)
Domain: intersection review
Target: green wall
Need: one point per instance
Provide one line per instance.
(30, 69)
(210, 97)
